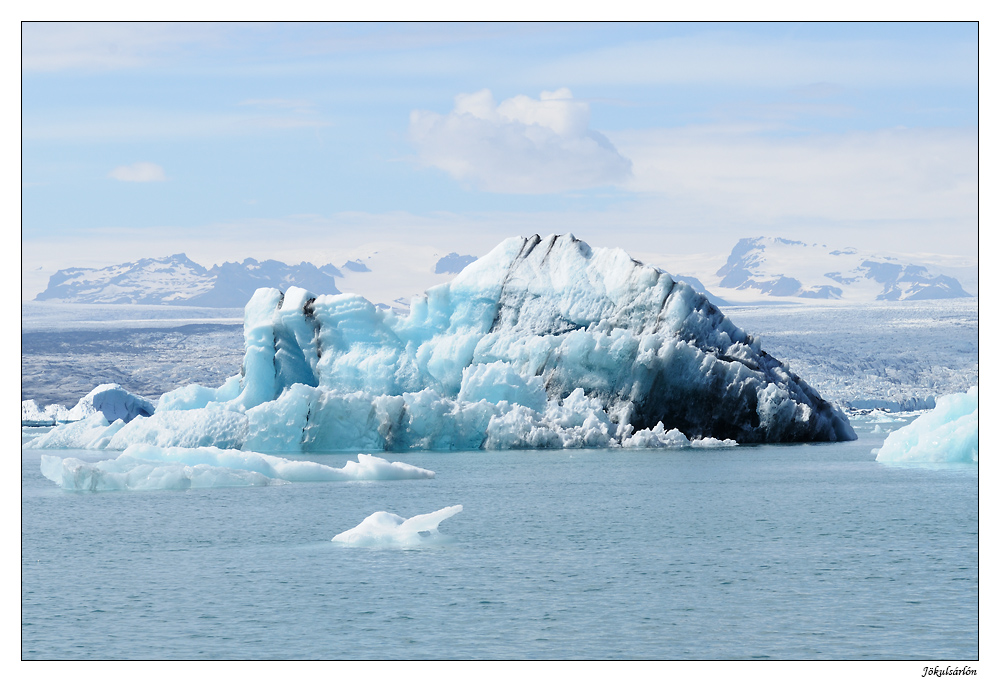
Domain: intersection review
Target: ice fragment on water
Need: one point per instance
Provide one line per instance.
(148, 467)
(384, 529)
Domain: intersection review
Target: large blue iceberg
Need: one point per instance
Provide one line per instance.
(540, 343)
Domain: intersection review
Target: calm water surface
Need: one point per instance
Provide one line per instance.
(793, 552)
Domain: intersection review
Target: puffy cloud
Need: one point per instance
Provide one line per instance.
(521, 146)
(142, 171)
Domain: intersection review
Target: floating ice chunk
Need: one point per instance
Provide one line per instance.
(367, 468)
(713, 443)
(114, 402)
(148, 467)
(384, 529)
(110, 400)
(131, 473)
(948, 433)
(372, 468)
(657, 437)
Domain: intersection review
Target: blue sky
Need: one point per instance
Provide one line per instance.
(295, 140)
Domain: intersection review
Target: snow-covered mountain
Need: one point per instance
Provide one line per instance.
(388, 274)
(236, 282)
(178, 280)
(453, 263)
(173, 279)
(773, 266)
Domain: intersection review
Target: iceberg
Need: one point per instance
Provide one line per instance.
(542, 343)
(110, 400)
(130, 473)
(384, 529)
(114, 402)
(948, 433)
(148, 467)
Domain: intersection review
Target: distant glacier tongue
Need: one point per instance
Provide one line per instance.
(540, 343)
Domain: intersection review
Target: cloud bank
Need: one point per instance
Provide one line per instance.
(736, 58)
(104, 46)
(142, 171)
(521, 146)
(895, 174)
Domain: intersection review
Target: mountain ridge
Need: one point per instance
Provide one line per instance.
(177, 280)
(779, 267)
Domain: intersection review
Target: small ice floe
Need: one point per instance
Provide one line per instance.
(659, 437)
(384, 529)
(130, 473)
(148, 467)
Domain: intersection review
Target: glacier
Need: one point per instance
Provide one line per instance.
(148, 467)
(542, 343)
(385, 529)
(948, 433)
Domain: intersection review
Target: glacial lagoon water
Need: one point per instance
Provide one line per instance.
(768, 552)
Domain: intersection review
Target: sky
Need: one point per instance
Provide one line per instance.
(671, 140)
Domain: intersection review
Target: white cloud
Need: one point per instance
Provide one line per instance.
(143, 171)
(521, 146)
